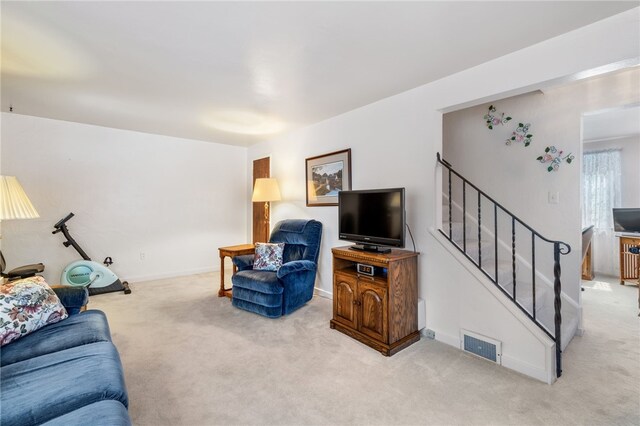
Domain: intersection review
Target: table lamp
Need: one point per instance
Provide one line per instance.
(266, 189)
(14, 203)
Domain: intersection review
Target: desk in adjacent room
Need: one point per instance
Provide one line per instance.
(629, 262)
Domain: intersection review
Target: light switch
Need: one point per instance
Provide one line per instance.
(554, 197)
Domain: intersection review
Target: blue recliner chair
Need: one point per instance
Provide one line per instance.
(277, 293)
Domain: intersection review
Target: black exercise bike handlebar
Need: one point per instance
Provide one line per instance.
(62, 221)
(62, 227)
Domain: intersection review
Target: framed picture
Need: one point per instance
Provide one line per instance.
(327, 175)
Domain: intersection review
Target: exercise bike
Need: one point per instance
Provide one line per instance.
(87, 273)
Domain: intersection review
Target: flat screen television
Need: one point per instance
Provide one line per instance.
(374, 219)
(626, 220)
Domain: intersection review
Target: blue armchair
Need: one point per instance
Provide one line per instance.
(277, 293)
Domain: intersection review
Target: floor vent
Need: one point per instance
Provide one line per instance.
(482, 346)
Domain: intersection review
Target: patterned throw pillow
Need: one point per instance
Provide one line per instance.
(27, 305)
(268, 256)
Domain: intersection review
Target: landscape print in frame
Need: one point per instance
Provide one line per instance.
(327, 175)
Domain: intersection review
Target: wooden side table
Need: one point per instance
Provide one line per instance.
(231, 252)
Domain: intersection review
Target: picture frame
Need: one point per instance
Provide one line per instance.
(326, 175)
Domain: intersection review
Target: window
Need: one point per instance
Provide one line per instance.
(600, 187)
(601, 191)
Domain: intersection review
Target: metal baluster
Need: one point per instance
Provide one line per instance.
(557, 287)
(464, 216)
(533, 272)
(450, 231)
(479, 230)
(513, 254)
(495, 237)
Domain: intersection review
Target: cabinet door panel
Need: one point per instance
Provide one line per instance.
(344, 300)
(373, 311)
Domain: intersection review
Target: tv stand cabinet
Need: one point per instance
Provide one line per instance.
(381, 310)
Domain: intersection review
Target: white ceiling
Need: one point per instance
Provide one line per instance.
(241, 72)
(612, 124)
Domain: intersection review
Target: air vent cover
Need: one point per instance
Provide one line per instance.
(482, 346)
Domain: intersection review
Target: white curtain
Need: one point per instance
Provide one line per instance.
(601, 190)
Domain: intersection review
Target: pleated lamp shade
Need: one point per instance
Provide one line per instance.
(266, 189)
(14, 203)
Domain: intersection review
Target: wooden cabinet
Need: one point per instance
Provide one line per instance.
(380, 310)
(345, 299)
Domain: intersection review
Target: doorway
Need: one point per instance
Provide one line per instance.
(261, 169)
(611, 157)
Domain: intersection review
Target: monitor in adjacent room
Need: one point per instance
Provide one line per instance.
(626, 220)
(374, 218)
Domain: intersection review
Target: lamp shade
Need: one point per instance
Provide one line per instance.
(266, 189)
(311, 191)
(14, 203)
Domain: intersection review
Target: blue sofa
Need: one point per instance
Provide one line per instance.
(67, 373)
(274, 294)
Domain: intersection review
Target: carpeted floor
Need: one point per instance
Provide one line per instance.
(190, 358)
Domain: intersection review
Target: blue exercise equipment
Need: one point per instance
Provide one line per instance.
(87, 273)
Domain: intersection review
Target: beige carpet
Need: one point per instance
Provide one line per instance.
(190, 358)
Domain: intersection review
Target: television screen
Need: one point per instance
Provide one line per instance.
(372, 217)
(626, 220)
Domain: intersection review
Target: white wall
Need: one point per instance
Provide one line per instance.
(176, 200)
(630, 166)
(374, 165)
(511, 173)
(394, 143)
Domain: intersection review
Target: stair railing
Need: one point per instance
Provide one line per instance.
(559, 248)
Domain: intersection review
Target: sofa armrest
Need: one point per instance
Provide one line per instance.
(295, 266)
(243, 262)
(72, 298)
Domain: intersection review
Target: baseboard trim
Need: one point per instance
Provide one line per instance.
(526, 369)
(323, 293)
(445, 338)
(142, 278)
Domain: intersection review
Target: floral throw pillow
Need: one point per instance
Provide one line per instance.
(27, 305)
(268, 256)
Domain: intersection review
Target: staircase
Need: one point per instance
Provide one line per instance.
(521, 263)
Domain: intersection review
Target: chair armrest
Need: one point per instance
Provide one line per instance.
(243, 262)
(72, 298)
(295, 266)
